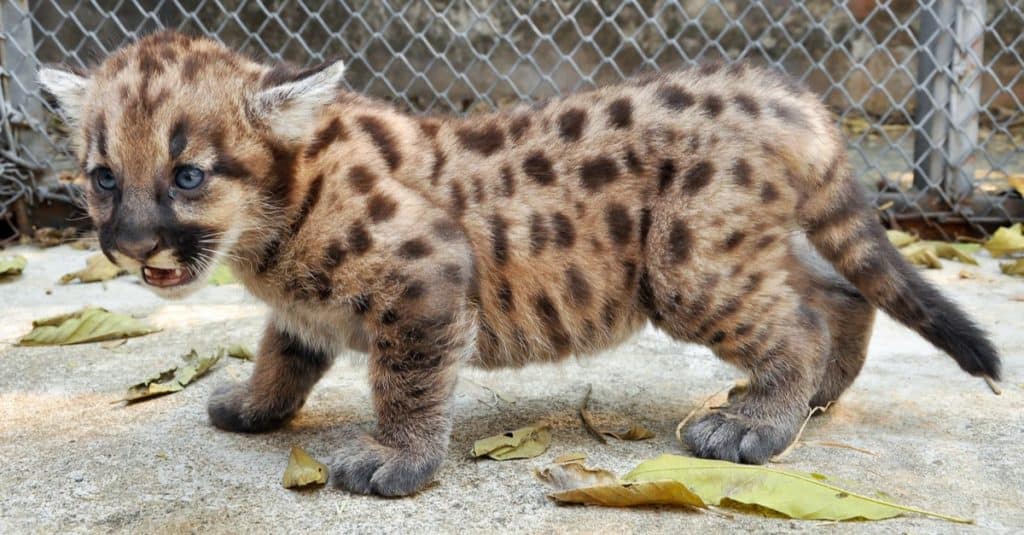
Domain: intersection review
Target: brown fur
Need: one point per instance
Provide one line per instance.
(703, 201)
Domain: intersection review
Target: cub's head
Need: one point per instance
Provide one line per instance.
(188, 149)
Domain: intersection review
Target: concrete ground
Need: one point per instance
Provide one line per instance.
(70, 460)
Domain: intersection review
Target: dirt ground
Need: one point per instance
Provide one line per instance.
(73, 461)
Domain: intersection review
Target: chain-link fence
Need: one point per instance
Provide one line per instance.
(930, 93)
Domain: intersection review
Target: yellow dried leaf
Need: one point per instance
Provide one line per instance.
(98, 268)
(576, 483)
(86, 325)
(635, 432)
(1013, 268)
(921, 254)
(1006, 241)
(11, 266)
(174, 379)
(1017, 183)
(303, 470)
(900, 238)
(240, 351)
(953, 251)
(522, 443)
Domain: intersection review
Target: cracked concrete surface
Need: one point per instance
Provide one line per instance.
(70, 460)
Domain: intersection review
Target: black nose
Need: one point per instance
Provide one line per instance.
(139, 248)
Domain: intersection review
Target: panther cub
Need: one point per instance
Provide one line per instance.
(715, 203)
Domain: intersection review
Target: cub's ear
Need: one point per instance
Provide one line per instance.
(290, 102)
(68, 87)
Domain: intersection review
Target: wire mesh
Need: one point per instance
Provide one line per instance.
(930, 93)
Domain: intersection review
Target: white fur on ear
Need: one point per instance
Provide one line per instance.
(292, 109)
(68, 87)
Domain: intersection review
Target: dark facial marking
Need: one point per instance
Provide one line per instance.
(446, 229)
(334, 131)
(381, 208)
(674, 97)
(537, 167)
(361, 178)
(499, 239)
(765, 241)
(741, 173)
(485, 140)
(698, 176)
(680, 239)
(538, 234)
(713, 105)
(769, 193)
(570, 124)
(666, 174)
(101, 137)
(508, 181)
(335, 255)
(415, 248)
(747, 103)
(518, 127)
(505, 300)
(579, 291)
(620, 113)
(383, 139)
(734, 240)
(178, 140)
(565, 233)
(620, 225)
(597, 172)
(359, 240)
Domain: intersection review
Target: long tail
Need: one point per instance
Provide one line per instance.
(845, 230)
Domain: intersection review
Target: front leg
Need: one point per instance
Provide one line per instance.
(286, 369)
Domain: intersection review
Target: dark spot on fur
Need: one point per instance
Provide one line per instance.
(458, 198)
(508, 181)
(381, 208)
(453, 273)
(308, 204)
(101, 137)
(788, 114)
(645, 225)
(742, 329)
(747, 103)
(565, 233)
(479, 191)
(359, 240)
(437, 166)
(597, 172)
(620, 113)
(518, 126)
(709, 67)
(361, 178)
(553, 321)
(430, 127)
(383, 139)
(415, 248)
(764, 241)
(741, 173)
(335, 255)
(628, 274)
(579, 289)
(505, 300)
(698, 176)
(769, 193)
(570, 124)
(446, 229)
(620, 225)
(485, 140)
(499, 239)
(674, 97)
(538, 168)
(334, 131)
(717, 338)
(389, 317)
(178, 140)
(414, 290)
(645, 297)
(538, 233)
(361, 304)
(608, 314)
(713, 105)
(734, 240)
(666, 174)
(680, 239)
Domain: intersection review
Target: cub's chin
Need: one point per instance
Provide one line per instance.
(173, 283)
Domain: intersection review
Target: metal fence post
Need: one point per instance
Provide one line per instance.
(965, 96)
(20, 70)
(931, 122)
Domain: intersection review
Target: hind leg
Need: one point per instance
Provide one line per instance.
(850, 319)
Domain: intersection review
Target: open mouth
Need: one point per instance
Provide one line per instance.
(166, 278)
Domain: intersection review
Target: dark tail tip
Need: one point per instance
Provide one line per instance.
(952, 331)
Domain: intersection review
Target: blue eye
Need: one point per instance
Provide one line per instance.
(104, 178)
(188, 177)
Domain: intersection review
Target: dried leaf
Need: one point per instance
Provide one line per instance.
(222, 275)
(793, 494)
(97, 268)
(574, 457)
(51, 237)
(1017, 182)
(174, 379)
(1006, 241)
(522, 443)
(900, 238)
(303, 470)
(240, 351)
(921, 254)
(86, 325)
(1013, 268)
(11, 266)
(635, 432)
(953, 251)
(575, 483)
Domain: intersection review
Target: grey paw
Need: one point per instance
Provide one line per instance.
(230, 409)
(737, 438)
(366, 466)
